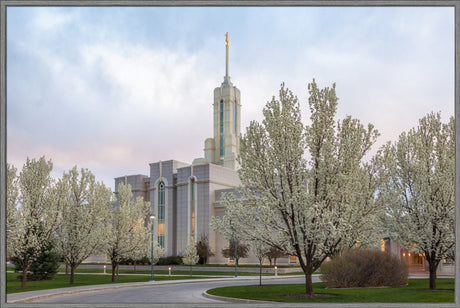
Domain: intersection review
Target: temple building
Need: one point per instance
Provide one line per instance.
(184, 197)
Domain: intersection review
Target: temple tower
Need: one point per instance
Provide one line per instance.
(225, 146)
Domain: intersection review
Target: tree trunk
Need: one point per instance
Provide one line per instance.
(114, 267)
(260, 273)
(433, 266)
(72, 274)
(66, 268)
(134, 265)
(24, 276)
(308, 284)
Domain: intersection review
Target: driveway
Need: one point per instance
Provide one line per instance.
(188, 291)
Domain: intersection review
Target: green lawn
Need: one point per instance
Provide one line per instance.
(13, 285)
(416, 291)
(196, 271)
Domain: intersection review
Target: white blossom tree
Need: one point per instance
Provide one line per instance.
(260, 250)
(140, 235)
(32, 212)
(190, 255)
(85, 217)
(158, 252)
(310, 206)
(129, 234)
(421, 191)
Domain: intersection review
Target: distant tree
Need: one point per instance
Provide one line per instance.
(190, 255)
(32, 214)
(273, 254)
(158, 252)
(128, 235)
(421, 189)
(242, 250)
(203, 249)
(260, 250)
(451, 253)
(85, 217)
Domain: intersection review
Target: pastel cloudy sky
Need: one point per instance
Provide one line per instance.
(114, 89)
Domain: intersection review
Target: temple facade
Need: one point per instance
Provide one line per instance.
(184, 197)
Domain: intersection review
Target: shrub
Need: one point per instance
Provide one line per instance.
(43, 268)
(171, 260)
(144, 260)
(364, 268)
(126, 261)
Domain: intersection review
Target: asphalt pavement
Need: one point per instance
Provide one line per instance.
(155, 292)
(173, 291)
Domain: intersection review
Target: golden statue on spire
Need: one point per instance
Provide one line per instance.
(226, 38)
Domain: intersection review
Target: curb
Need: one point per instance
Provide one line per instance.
(233, 300)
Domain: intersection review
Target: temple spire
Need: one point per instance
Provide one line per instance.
(226, 57)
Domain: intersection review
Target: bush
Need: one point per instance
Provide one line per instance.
(171, 260)
(126, 261)
(131, 261)
(43, 268)
(364, 268)
(144, 260)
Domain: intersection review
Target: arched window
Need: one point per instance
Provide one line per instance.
(234, 118)
(161, 214)
(192, 207)
(221, 129)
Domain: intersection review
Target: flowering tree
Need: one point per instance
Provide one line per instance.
(203, 249)
(273, 254)
(190, 255)
(85, 217)
(129, 234)
(421, 191)
(307, 208)
(260, 250)
(32, 213)
(242, 250)
(158, 252)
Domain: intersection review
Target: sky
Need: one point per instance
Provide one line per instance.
(113, 89)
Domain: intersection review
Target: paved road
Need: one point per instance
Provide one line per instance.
(183, 292)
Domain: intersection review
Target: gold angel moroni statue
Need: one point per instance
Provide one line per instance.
(226, 38)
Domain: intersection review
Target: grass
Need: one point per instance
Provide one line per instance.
(416, 291)
(195, 271)
(13, 284)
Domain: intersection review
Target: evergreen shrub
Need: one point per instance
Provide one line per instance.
(43, 268)
(171, 260)
(364, 268)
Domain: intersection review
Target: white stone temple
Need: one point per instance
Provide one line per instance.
(184, 196)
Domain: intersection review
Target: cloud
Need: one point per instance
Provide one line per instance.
(113, 89)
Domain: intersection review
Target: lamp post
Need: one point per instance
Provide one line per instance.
(236, 258)
(152, 218)
(233, 239)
